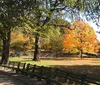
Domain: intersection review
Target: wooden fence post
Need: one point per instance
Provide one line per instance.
(17, 69)
(27, 69)
(23, 70)
(12, 66)
(24, 66)
(33, 68)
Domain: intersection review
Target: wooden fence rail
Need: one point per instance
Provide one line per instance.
(53, 76)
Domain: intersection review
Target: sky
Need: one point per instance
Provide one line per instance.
(94, 26)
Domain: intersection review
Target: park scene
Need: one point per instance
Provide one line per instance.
(49, 42)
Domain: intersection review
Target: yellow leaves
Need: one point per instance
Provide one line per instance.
(69, 41)
(21, 41)
(17, 37)
(82, 36)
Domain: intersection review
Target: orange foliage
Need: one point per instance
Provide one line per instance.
(81, 37)
(69, 40)
(20, 41)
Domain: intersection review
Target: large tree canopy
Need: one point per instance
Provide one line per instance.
(12, 13)
(36, 13)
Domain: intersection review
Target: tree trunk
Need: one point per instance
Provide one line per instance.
(5, 48)
(81, 52)
(36, 57)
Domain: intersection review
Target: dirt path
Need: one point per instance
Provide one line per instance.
(9, 80)
(8, 77)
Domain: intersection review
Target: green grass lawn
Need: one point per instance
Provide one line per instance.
(41, 62)
(89, 66)
(59, 62)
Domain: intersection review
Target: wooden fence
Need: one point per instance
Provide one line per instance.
(53, 76)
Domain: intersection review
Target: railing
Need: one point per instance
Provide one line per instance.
(51, 75)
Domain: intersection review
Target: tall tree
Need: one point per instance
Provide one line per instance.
(85, 34)
(12, 13)
(81, 37)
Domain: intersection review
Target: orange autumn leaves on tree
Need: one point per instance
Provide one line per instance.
(69, 40)
(81, 38)
(19, 41)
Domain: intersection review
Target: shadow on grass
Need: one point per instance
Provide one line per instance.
(89, 70)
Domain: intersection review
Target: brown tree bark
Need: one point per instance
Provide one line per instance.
(5, 48)
(36, 57)
(81, 52)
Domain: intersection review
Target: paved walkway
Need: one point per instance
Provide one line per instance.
(7, 77)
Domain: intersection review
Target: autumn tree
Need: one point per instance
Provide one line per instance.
(85, 34)
(81, 38)
(21, 42)
(69, 41)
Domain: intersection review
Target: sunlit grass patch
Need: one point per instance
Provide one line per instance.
(58, 62)
(41, 62)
